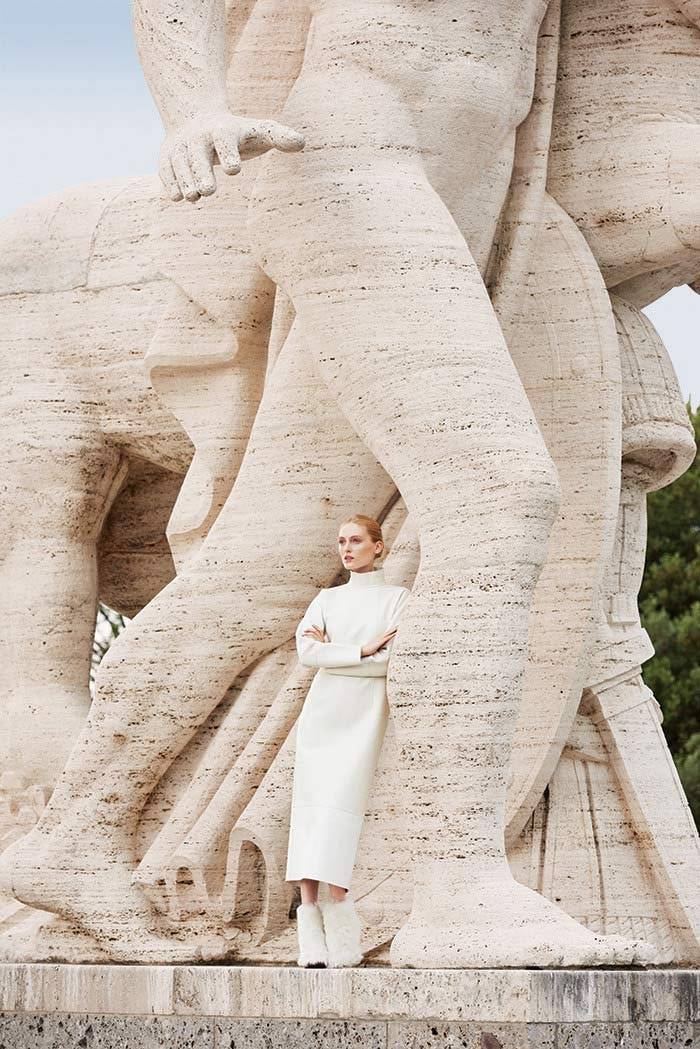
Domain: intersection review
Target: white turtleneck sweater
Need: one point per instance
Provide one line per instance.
(352, 615)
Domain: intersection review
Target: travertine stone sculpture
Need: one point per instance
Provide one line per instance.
(625, 139)
(403, 306)
(87, 441)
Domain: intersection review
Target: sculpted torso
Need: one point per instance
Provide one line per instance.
(420, 84)
(264, 52)
(445, 70)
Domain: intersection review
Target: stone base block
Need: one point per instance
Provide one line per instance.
(227, 1007)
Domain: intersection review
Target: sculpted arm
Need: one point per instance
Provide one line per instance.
(184, 46)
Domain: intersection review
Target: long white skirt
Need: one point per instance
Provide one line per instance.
(339, 735)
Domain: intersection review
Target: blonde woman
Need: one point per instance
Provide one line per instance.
(347, 632)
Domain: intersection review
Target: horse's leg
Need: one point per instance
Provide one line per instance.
(59, 477)
(269, 550)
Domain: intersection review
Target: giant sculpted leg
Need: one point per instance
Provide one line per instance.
(268, 552)
(394, 310)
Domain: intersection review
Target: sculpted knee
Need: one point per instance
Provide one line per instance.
(509, 498)
(541, 485)
(521, 509)
(521, 482)
(525, 497)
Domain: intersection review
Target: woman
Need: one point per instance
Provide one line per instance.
(347, 633)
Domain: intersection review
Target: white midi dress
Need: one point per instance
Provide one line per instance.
(341, 727)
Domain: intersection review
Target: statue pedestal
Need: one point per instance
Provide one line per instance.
(45, 1006)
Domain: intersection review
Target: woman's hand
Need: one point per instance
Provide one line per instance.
(317, 633)
(373, 646)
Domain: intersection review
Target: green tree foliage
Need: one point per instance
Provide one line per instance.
(670, 611)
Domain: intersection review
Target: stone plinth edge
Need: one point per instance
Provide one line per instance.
(364, 993)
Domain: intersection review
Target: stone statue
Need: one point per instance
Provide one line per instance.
(384, 233)
(93, 462)
(380, 232)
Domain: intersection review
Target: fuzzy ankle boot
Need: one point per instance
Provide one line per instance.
(343, 930)
(313, 952)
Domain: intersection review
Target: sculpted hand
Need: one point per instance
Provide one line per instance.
(214, 135)
(373, 646)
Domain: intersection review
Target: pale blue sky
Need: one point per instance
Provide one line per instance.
(74, 108)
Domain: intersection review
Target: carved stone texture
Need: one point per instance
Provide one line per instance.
(625, 139)
(402, 306)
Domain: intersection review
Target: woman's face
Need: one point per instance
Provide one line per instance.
(356, 549)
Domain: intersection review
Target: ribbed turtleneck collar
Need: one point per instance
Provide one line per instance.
(375, 578)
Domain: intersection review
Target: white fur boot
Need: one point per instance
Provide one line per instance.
(343, 930)
(312, 941)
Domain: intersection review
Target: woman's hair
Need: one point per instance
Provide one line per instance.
(373, 527)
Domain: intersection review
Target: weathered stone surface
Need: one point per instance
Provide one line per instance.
(542, 1036)
(498, 995)
(56, 1031)
(297, 1034)
(412, 311)
(120, 1032)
